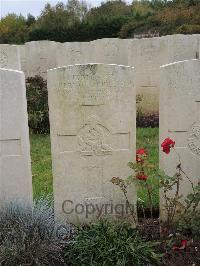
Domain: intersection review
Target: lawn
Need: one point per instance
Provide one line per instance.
(41, 165)
(41, 162)
(148, 138)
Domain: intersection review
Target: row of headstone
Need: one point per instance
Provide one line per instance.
(93, 134)
(145, 55)
(92, 117)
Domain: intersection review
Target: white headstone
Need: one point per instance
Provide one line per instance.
(40, 56)
(111, 51)
(15, 166)
(10, 57)
(147, 55)
(93, 133)
(182, 47)
(71, 53)
(180, 120)
(22, 51)
(198, 54)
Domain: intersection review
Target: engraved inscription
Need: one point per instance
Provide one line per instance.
(3, 59)
(93, 97)
(91, 92)
(91, 138)
(194, 139)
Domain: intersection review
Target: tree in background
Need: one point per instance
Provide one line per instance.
(77, 9)
(13, 29)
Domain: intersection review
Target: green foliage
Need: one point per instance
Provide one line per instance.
(188, 29)
(13, 29)
(103, 27)
(37, 101)
(29, 236)
(177, 209)
(41, 166)
(110, 243)
(190, 224)
(108, 9)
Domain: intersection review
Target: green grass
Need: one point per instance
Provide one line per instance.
(41, 162)
(41, 165)
(148, 138)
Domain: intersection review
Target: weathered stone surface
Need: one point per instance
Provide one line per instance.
(22, 51)
(40, 56)
(107, 51)
(198, 55)
(10, 57)
(110, 51)
(71, 53)
(15, 166)
(147, 55)
(180, 120)
(182, 47)
(92, 118)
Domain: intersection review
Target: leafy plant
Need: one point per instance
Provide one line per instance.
(190, 225)
(175, 208)
(139, 177)
(147, 120)
(37, 101)
(28, 236)
(110, 243)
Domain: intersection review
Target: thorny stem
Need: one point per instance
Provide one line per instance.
(150, 199)
(171, 210)
(187, 178)
(167, 208)
(179, 157)
(149, 195)
(129, 206)
(176, 196)
(190, 204)
(180, 167)
(143, 211)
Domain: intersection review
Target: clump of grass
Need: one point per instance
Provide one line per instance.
(112, 243)
(41, 166)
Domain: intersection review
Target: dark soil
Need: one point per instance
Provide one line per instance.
(189, 256)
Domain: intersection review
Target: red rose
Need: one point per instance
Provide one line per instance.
(140, 155)
(142, 177)
(182, 246)
(167, 145)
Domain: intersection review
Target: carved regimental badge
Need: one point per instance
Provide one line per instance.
(92, 138)
(194, 139)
